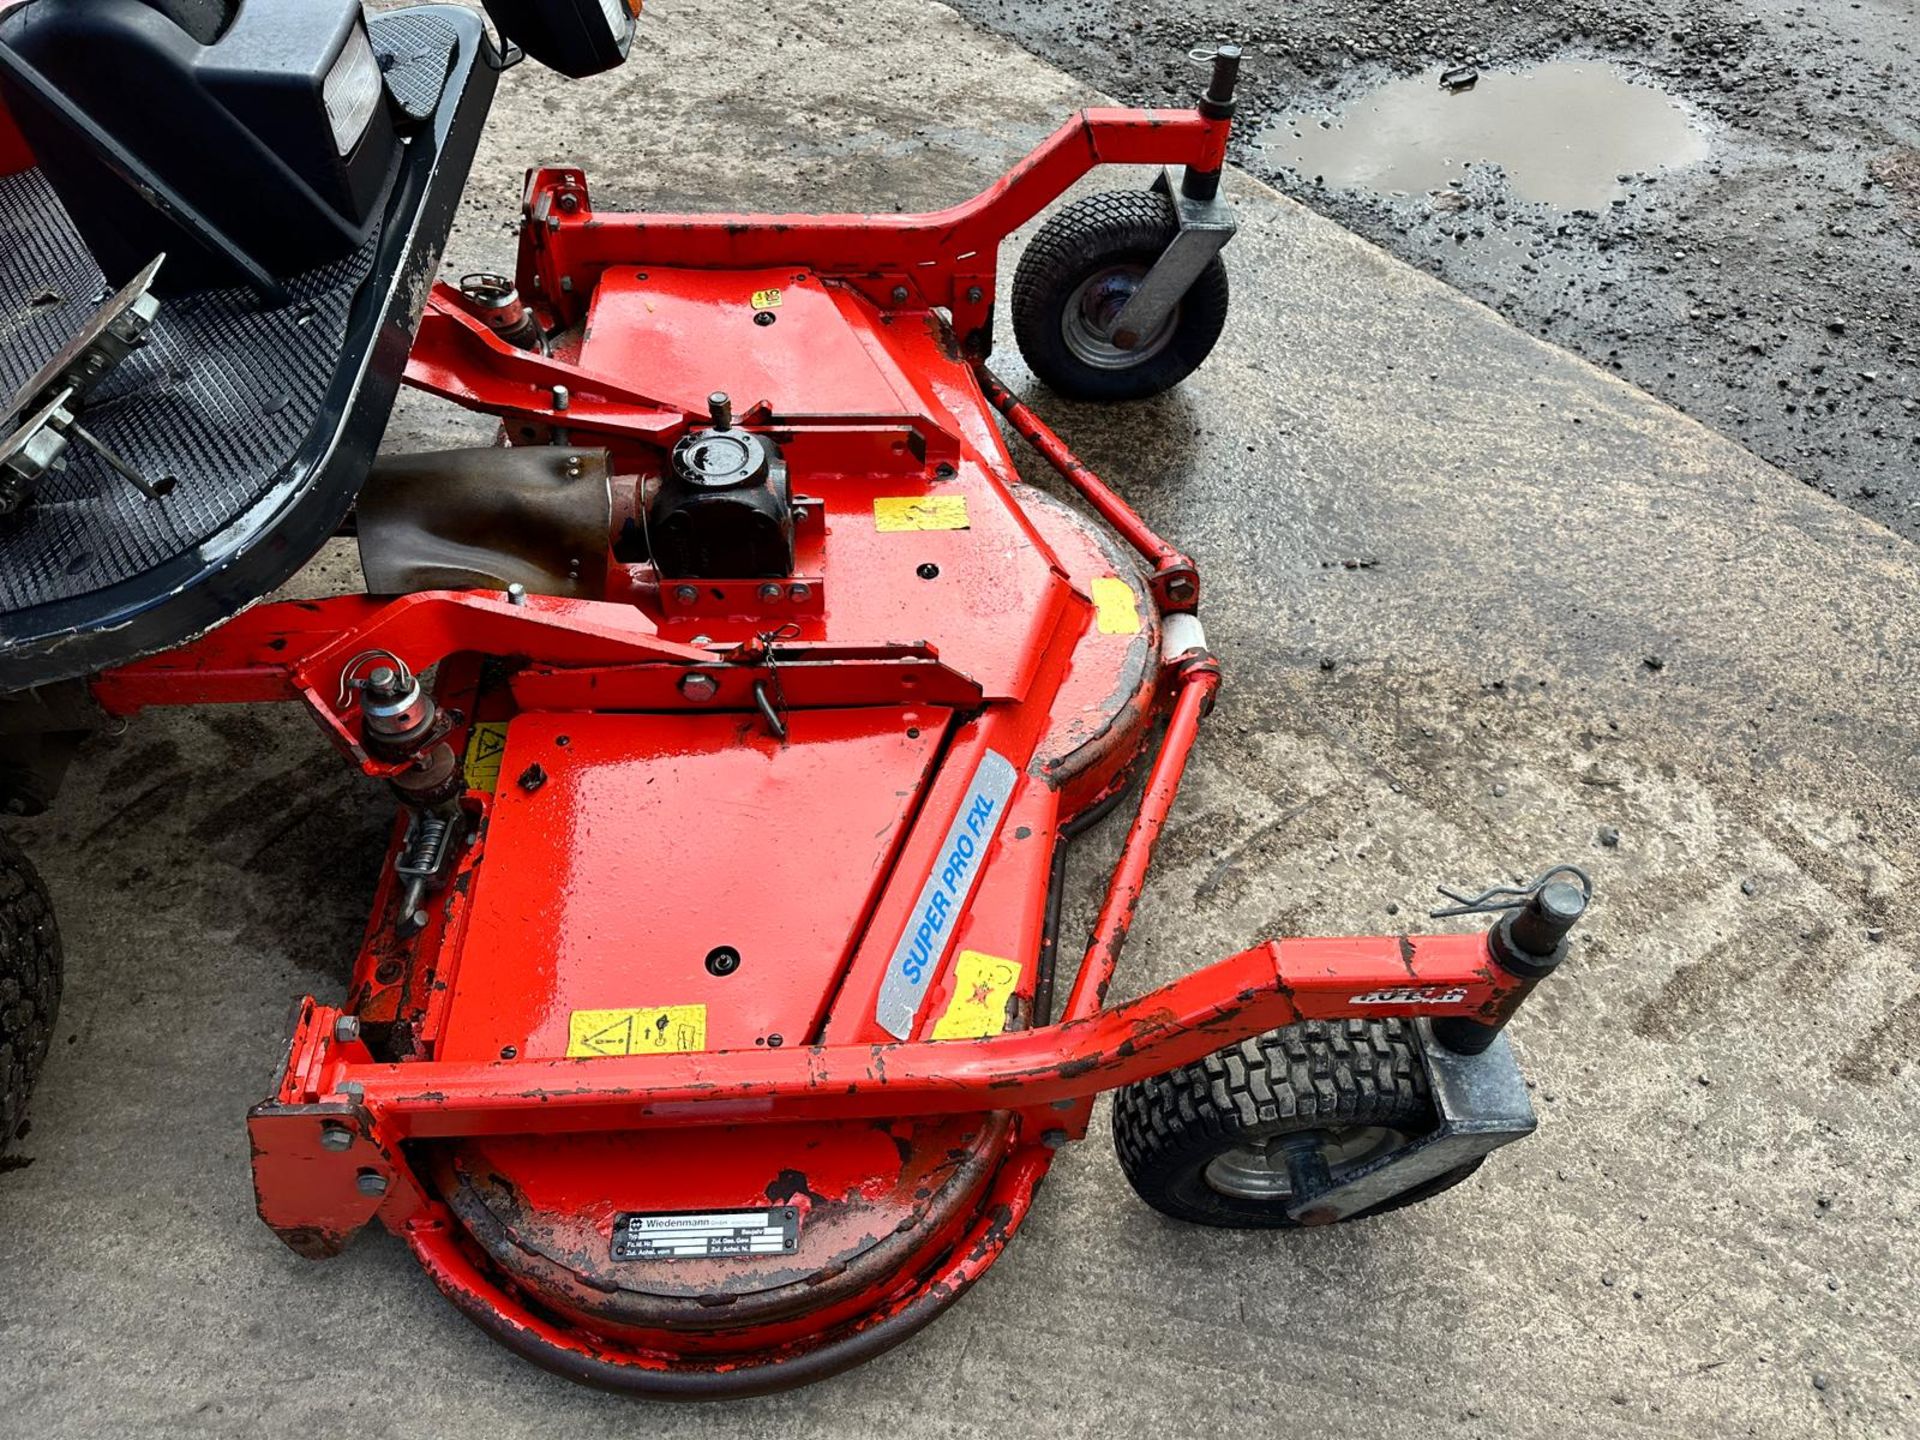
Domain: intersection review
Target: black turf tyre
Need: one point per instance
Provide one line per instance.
(1079, 269)
(29, 983)
(1189, 1140)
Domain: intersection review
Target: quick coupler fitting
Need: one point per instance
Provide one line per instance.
(1528, 943)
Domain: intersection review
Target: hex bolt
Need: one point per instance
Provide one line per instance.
(770, 593)
(370, 1182)
(568, 202)
(685, 594)
(1180, 589)
(346, 1029)
(335, 1136)
(516, 594)
(900, 293)
(800, 594)
(699, 687)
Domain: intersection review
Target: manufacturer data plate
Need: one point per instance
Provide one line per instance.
(702, 1235)
(943, 899)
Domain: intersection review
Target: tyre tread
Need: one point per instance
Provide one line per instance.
(1346, 1072)
(1084, 236)
(30, 978)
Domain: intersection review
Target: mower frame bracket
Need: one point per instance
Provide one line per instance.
(1482, 1104)
(1205, 228)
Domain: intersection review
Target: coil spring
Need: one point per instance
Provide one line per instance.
(425, 846)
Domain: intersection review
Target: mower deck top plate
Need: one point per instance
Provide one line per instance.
(680, 882)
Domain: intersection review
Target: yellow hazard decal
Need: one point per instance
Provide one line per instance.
(766, 299)
(1115, 608)
(647, 1030)
(920, 512)
(486, 743)
(981, 986)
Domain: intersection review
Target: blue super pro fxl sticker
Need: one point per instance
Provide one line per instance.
(943, 899)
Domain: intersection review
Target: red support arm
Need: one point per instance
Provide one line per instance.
(1056, 1066)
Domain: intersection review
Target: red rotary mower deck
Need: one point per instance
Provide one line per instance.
(718, 1046)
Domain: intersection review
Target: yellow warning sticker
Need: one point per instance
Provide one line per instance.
(920, 512)
(486, 743)
(981, 987)
(766, 299)
(1115, 608)
(646, 1030)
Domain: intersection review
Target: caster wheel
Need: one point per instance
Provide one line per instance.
(1078, 275)
(1208, 1142)
(29, 983)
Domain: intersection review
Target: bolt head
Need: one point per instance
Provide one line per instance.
(685, 594)
(370, 1182)
(346, 1029)
(1180, 588)
(900, 293)
(699, 686)
(568, 202)
(335, 1136)
(769, 593)
(800, 594)
(516, 594)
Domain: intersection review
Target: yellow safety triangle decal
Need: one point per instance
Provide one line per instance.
(486, 743)
(982, 985)
(920, 512)
(644, 1030)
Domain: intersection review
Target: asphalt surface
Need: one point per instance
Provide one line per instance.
(1481, 606)
(1767, 287)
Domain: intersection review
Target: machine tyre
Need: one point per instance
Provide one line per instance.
(1197, 1143)
(1078, 273)
(30, 974)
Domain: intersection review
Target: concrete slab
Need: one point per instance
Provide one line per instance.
(1443, 560)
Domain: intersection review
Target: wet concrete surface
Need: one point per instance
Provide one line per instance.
(1769, 290)
(1480, 607)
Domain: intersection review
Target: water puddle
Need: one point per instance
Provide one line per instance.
(1563, 132)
